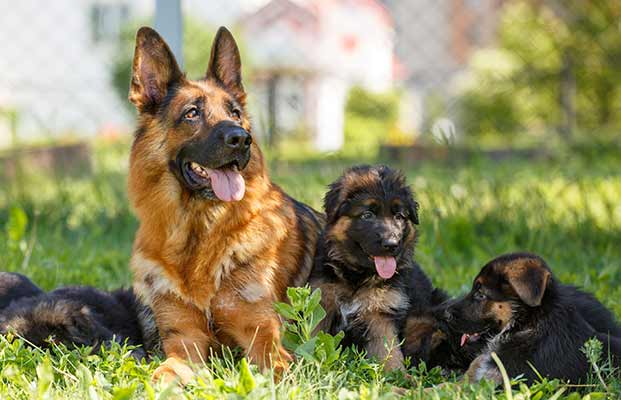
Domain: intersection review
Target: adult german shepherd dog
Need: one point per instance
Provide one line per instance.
(365, 269)
(532, 321)
(218, 242)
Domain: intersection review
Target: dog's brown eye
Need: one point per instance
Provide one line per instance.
(400, 216)
(236, 113)
(191, 114)
(367, 215)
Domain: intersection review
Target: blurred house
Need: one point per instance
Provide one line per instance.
(434, 41)
(57, 59)
(54, 67)
(308, 54)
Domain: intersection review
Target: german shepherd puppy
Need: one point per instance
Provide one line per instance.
(528, 318)
(364, 263)
(73, 315)
(218, 242)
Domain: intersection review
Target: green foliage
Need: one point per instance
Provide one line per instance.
(369, 119)
(16, 228)
(518, 84)
(303, 314)
(565, 208)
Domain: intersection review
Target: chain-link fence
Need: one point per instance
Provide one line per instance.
(330, 71)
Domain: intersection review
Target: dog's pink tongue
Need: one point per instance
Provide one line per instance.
(227, 184)
(463, 340)
(385, 266)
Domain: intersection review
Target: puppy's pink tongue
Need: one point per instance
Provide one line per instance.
(227, 184)
(385, 266)
(463, 340)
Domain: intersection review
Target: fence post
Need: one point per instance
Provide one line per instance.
(169, 24)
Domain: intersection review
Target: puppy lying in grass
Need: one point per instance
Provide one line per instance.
(535, 324)
(365, 269)
(76, 315)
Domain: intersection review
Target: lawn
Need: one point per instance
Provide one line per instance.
(65, 231)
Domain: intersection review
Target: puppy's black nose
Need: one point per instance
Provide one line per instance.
(390, 244)
(237, 138)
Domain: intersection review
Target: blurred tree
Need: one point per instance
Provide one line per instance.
(369, 119)
(565, 63)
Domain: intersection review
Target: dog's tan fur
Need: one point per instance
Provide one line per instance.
(210, 270)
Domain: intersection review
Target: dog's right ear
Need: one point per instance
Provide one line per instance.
(333, 203)
(225, 64)
(529, 277)
(154, 69)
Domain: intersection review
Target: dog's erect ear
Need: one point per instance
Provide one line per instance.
(153, 71)
(225, 63)
(413, 211)
(529, 277)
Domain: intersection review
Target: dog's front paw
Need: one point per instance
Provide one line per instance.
(172, 370)
(280, 363)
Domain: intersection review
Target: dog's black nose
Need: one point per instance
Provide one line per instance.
(237, 138)
(390, 244)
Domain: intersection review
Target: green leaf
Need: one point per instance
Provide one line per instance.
(124, 393)
(314, 300)
(307, 350)
(285, 310)
(291, 340)
(45, 378)
(16, 225)
(316, 317)
(148, 390)
(595, 396)
(246, 380)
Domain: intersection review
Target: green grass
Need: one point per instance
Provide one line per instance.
(80, 231)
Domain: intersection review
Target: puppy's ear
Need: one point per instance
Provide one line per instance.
(154, 69)
(225, 63)
(529, 277)
(413, 211)
(333, 203)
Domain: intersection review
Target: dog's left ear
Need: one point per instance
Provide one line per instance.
(225, 64)
(413, 211)
(529, 278)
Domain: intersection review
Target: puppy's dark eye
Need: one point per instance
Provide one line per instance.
(367, 215)
(479, 296)
(400, 216)
(236, 113)
(191, 114)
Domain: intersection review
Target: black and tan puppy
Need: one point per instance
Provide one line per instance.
(528, 318)
(76, 315)
(364, 263)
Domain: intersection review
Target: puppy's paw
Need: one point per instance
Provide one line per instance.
(173, 370)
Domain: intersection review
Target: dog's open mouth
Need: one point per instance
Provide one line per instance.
(469, 338)
(226, 182)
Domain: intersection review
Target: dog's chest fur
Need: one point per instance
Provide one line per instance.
(355, 304)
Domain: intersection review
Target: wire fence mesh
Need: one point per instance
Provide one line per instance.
(326, 70)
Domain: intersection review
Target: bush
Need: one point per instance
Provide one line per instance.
(369, 119)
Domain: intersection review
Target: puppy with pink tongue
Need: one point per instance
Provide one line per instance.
(365, 264)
